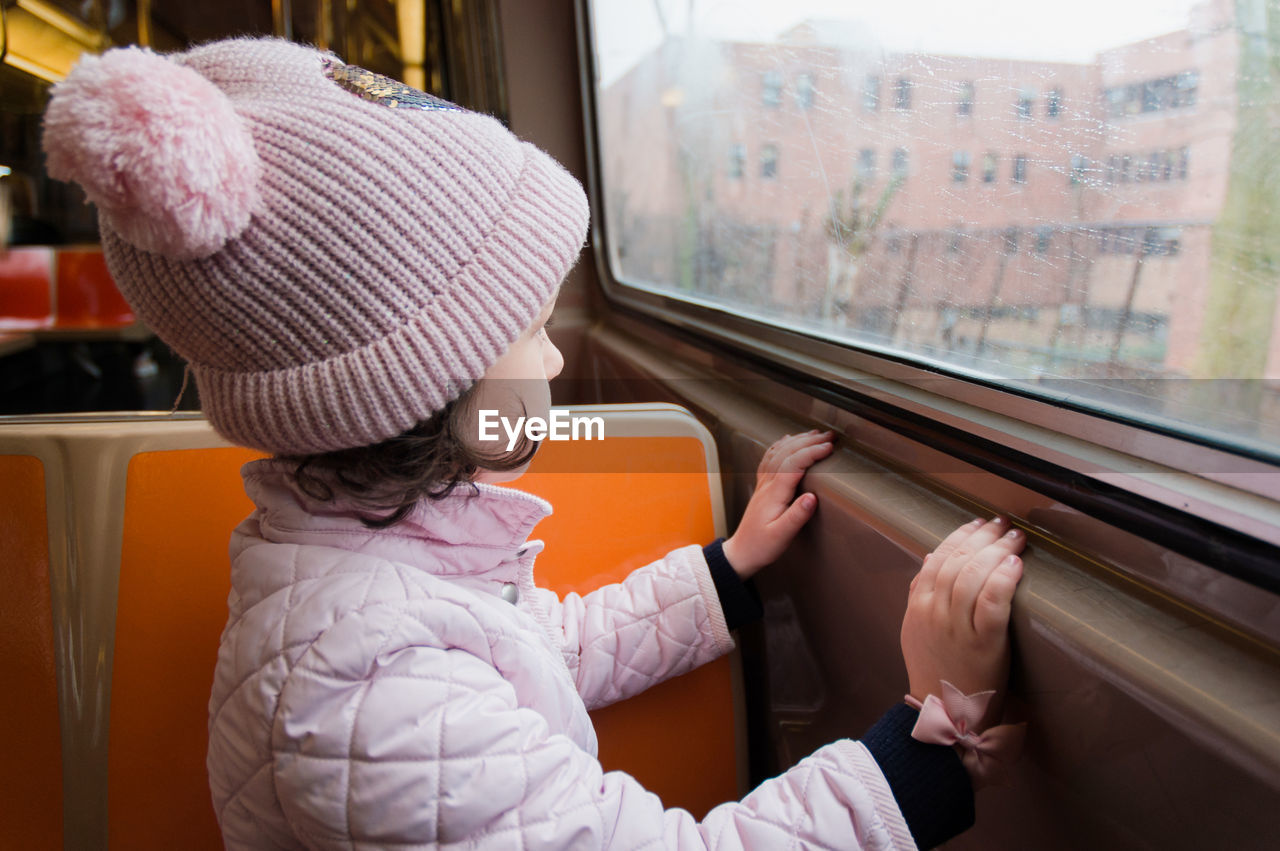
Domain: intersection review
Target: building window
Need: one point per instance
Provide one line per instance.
(1053, 103)
(1044, 235)
(959, 166)
(737, 160)
(902, 94)
(1020, 168)
(1178, 91)
(1026, 104)
(1010, 240)
(871, 94)
(1155, 167)
(772, 88)
(901, 164)
(1186, 86)
(989, 165)
(804, 91)
(866, 164)
(769, 161)
(964, 106)
(1162, 242)
(1078, 166)
(1147, 241)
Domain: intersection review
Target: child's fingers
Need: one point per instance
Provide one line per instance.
(995, 600)
(964, 549)
(977, 570)
(793, 455)
(949, 543)
(928, 574)
(805, 456)
(793, 519)
(787, 443)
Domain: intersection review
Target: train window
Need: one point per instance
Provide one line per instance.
(1106, 271)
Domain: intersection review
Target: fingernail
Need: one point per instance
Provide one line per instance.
(1009, 561)
(973, 523)
(1012, 533)
(810, 501)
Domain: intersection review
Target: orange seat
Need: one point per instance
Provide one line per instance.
(174, 581)
(152, 501)
(31, 806)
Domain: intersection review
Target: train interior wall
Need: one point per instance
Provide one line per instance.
(1130, 742)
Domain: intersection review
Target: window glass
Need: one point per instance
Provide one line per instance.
(990, 163)
(1122, 258)
(804, 91)
(964, 105)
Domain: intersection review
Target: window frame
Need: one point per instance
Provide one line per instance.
(902, 94)
(990, 167)
(1220, 504)
(806, 87)
(771, 85)
(770, 152)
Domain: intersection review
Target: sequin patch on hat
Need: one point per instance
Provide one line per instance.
(384, 90)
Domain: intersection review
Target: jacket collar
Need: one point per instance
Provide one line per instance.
(478, 530)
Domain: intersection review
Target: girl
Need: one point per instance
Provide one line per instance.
(353, 269)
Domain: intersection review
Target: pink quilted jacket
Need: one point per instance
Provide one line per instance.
(375, 688)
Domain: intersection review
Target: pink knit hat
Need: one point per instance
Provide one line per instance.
(336, 255)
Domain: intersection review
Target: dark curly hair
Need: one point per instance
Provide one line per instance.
(428, 461)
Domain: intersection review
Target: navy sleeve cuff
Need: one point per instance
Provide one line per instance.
(738, 600)
(929, 782)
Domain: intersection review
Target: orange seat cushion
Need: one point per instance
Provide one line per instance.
(180, 508)
(31, 806)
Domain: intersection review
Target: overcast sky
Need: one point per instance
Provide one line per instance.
(1070, 31)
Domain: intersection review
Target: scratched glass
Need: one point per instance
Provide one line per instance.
(1082, 204)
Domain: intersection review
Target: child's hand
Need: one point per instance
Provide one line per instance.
(957, 623)
(772, 519)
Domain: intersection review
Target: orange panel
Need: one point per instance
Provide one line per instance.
(650, 496)
(26, 275)
(180, 508)
(31, 806)
(87, 296)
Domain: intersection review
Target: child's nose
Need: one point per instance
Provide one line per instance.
(552, 360)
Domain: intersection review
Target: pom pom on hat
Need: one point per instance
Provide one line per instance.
(158, 148)
(335, 255)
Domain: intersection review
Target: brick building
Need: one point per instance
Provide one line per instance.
(1043, 217)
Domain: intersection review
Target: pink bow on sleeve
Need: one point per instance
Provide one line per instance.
(951, 721)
